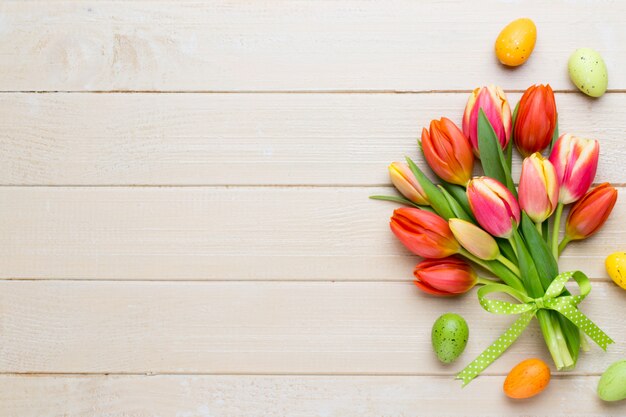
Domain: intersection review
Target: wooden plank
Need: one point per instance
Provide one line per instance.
(350, 45)
(221, 233)
(208, 139)
(296, 396)
(264, 327)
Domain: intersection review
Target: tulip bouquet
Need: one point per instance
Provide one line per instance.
(486, 222)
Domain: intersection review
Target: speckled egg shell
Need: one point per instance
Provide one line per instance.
(449, 337)
(516, 42)
(527, 379)
(616, 268)
(588, 72)
(612, 384)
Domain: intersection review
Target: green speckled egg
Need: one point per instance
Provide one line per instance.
(449, 336)
(588, 72)
(612, 385)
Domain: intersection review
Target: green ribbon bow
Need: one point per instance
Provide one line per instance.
(528, 307)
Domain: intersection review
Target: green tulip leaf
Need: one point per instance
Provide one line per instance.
(460, 195)
(435, 196)
(456, 207)
(546, 265)
(491, 156)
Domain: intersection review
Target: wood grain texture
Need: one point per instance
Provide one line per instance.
(267, 327)
(221, 233)
(295, 396)
(297, 45)
(264, 139)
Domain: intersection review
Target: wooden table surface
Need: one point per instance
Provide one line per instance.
(184, 222)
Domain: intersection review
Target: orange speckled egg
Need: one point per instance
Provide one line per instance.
(527, 379)
(516, 42)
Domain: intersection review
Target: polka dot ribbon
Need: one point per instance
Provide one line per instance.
(528, 307)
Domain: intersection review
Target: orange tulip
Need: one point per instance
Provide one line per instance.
(444, 277)
(448, 151)
(536, 120)
(423, 233)
(590, 212)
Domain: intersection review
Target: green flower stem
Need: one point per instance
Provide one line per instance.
(501, 272)
(568, 361)
(476, 260)
(504, 261)
(563, 244)
(512, 242)
(584, 344)
(539, 227)
(548, 334)
(485, 281)
(555, 230)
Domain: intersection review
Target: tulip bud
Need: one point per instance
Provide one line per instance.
(494, 207)
(536, 120)
(474, 239)
(575, 161)
(538, 188)
(590, 212)
(404, 180)
(423, 233)
(444, 277)
(493, 102)
(448, 151)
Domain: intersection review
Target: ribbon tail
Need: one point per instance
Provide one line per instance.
(585, 324)
(496, 349)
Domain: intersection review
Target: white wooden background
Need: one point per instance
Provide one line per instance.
(184, 222)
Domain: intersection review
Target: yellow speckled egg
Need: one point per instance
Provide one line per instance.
(616, 268)
(588, 72)
(516, 42)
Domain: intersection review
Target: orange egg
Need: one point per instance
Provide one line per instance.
(527, 379)
(516, 42)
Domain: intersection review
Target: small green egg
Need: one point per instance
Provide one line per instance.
(612, 385)
(449, 336)
(588, 72)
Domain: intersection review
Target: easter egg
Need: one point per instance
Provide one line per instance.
(612, 384)
(527, 379)
(616, 268)
(449, 337)
(516, 42)
(588, 72)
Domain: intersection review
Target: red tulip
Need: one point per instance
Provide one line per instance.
(590, 212)
(444, 277)
(494, 207)
(538, 188)
(536, 120)
(404, 180)
(423, 233)
(448, 151)
(493, 102)
(576, 161)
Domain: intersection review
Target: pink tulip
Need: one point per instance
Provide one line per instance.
(493, 102)
(404, 180)
(538, 188)
(494, 207)
(423, 233)
(444, 277)
(576, 161)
